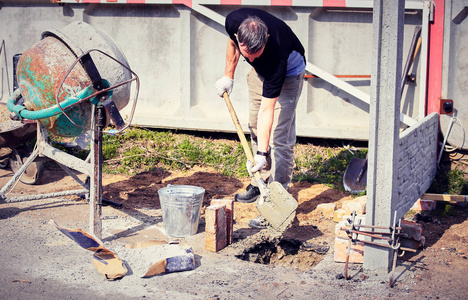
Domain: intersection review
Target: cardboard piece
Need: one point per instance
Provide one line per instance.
(178, 263)
(105, 261)
(110, 265)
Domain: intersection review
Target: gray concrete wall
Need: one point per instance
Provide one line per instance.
(179, 53)
(416, 162)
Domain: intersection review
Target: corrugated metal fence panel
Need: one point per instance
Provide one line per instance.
(178, 55)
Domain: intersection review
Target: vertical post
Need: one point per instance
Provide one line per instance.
(95, 189)
(426, 13)
(384, 124)
(435, 59)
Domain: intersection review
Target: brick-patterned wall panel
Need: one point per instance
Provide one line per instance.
(417, 161)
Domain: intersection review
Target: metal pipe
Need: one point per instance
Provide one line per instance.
(340, 76)
(378, 227)
(383, 233)
(370, 235)
(44, 196)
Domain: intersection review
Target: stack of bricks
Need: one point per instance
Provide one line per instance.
(356, 254)
(329, 211)
(414, 239)
(219, 224)
(357, 204)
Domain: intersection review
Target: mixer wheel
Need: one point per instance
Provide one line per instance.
(33, 171)
(5, 154)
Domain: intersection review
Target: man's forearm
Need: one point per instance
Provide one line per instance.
(232, 58)
(265, 122)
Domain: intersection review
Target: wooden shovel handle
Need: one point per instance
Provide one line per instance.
(240, 132)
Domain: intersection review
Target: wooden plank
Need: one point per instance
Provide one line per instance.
(444, 197)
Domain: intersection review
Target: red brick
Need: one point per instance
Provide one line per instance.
(338, 214)
(412, 229)
(357, 204)
(216, 227)
(229, 204)
(424, 205)
(326, 209)
(211, 223)
(341, 251)
(340, 227)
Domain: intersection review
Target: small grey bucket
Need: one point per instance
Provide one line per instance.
(181, 206)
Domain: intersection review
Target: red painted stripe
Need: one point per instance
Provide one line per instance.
(334, 3)
(281, 2)
(184, 2)
(436, 45)
(230, 2)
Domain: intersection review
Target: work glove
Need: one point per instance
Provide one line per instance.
(260, 162)
(224, 84)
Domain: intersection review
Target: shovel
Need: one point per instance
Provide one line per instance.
(275, 204)
(355, 176)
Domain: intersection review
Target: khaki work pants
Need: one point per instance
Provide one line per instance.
(280, 162)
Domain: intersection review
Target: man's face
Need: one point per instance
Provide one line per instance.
(250, 56)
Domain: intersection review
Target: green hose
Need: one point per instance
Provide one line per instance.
(23, 113)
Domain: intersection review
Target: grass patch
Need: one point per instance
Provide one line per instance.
(450, 181)
(139, 150)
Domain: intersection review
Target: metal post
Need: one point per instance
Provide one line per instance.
(95, 189)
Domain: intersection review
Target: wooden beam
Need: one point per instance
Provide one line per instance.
(444, 197)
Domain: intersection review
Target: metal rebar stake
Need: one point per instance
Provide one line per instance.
(95, 189)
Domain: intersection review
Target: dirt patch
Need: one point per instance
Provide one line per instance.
(140, 192)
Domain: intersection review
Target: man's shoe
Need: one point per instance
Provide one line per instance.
(250, 195)
(259, 222)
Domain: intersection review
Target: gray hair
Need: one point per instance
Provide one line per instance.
(252, 33)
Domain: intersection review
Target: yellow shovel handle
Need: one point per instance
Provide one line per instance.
(240, 133)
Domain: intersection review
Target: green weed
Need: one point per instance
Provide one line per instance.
(324, 165)
(449, 181)
(142, 149)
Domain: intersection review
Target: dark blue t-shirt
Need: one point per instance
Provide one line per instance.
(273, 63)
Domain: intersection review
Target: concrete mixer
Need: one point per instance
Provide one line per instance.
(57, 75)
(72, 81)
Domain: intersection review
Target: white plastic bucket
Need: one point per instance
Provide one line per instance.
(181, 205)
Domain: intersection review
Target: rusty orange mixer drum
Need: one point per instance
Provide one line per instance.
(45, 75)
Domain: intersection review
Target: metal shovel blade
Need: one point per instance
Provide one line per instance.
(355, 177)
(278, 207)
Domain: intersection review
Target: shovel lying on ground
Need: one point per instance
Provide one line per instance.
(275, 204)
